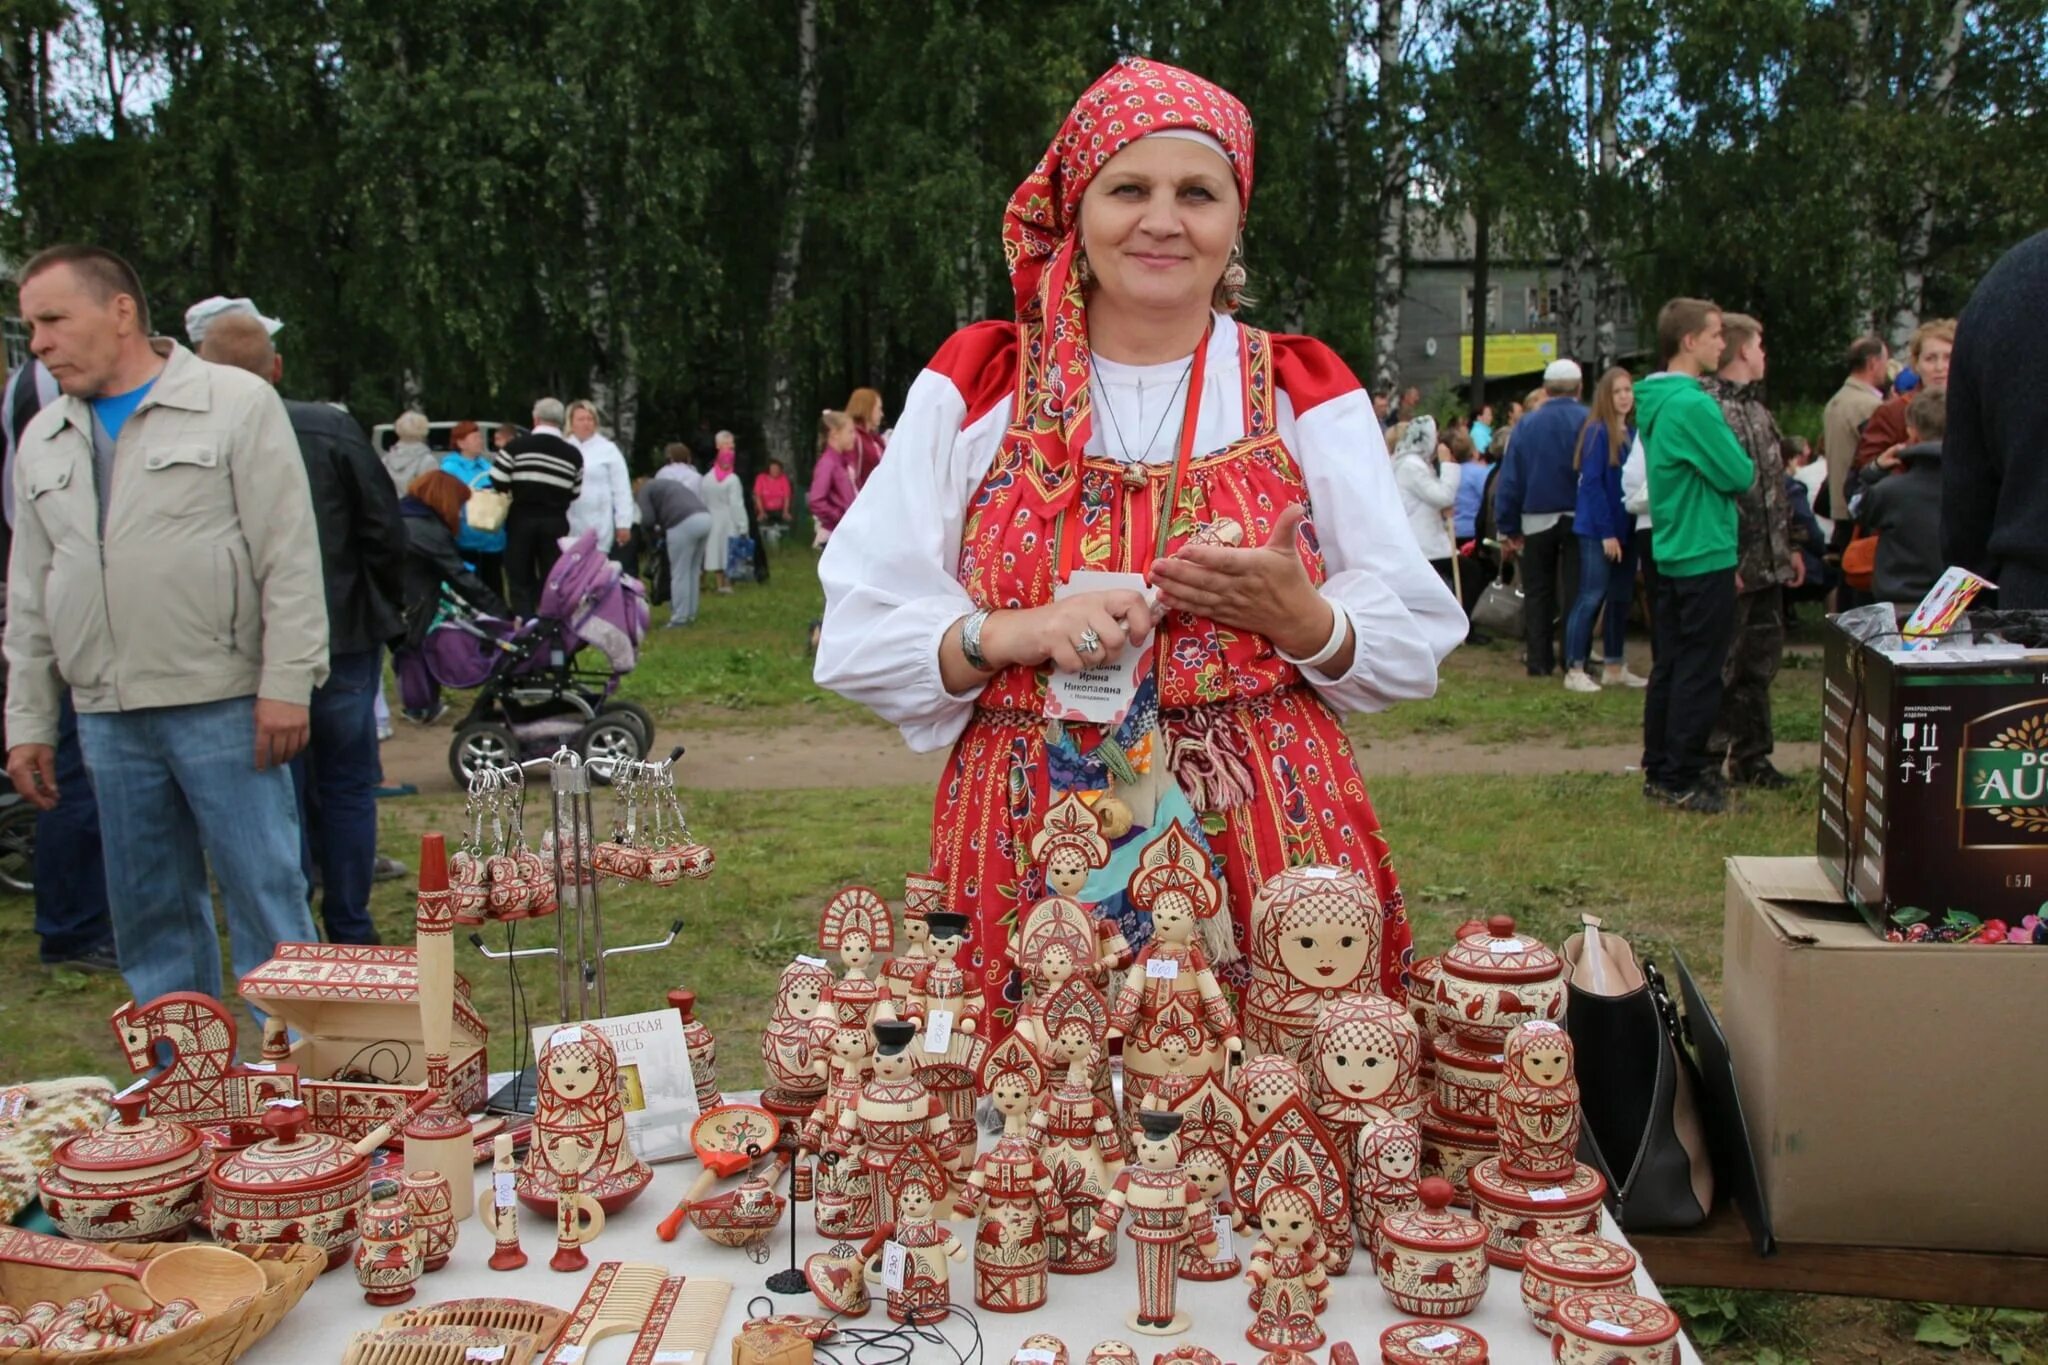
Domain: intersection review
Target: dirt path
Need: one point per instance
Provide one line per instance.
(794, 756)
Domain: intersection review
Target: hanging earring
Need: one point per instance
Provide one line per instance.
(1083, 271)
(1234, 278)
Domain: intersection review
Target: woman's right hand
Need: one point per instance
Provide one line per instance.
(1612, 547)
(1052, 633)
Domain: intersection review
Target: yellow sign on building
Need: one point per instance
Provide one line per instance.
(1510, 352)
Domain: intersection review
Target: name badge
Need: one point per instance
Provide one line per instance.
(1101, 695)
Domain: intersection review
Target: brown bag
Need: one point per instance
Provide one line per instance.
(1859, 561)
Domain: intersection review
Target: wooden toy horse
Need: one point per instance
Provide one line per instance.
(203, 1084)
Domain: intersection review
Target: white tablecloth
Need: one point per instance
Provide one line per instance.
(1080, 1310)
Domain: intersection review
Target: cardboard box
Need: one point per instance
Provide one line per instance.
(356, 1008)
(1896, 1094)
(1934, 780)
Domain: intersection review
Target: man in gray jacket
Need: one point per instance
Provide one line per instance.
(167, 568)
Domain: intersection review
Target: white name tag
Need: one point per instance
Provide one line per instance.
(938, 1030)
(1102, 694)
(505, 1188)
(893, 1259)
(1162, 968)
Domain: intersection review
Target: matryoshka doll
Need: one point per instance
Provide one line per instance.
(903, 974)
(1264, 1083)
(1075, 1130)
(1364, 1067)
(916, 1183)
(1211, 1130)
(578, 1106)
(855, 924)
(795, 1039)
(1387, 1172)
(1010, 1189)
(1297, 1196)
(1170, 988)
(1069, 847)
(1315, 938)
(844, 1207)
(949, 1046)
(1538, 1103)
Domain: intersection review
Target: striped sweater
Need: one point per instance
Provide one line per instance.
(541, 470)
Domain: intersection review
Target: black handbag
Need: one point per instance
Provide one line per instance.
(1659, 1128)
(1500, 606)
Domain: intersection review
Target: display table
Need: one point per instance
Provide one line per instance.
(1080, 1310)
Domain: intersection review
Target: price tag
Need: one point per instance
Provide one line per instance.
(1442, 1341)
(1102, 694)
(1162, 968)
(1506, 945)
(1547, 1194)
(674, 1357)
(811, 961)
(568, 1355)
(894, 1258)
(259, 1066)
(1226, 1244)
(1606, 1328)
(1326, 874)
(284, 1102)
(504, 1188)
(938, 1030)
(1033, 1356)
(484, 1353)
(562, 1037)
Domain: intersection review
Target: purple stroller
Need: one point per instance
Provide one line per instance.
(534, 693)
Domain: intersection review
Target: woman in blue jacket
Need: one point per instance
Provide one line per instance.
(470, 462)
(1606, 570)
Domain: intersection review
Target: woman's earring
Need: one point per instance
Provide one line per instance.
(1234, 276)
(1083, 271)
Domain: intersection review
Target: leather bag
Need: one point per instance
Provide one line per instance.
(1500, 606)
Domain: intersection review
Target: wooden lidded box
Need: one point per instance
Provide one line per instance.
(356, 1009)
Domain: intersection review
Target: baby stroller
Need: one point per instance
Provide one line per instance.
(534, 692)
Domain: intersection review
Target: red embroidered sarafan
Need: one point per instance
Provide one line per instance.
(1249, 742)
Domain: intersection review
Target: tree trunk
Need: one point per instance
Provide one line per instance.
(21, 88)
(1482, 288)
(1862, 300)
(1918, 240)
(780, 426)
(1390, 208)
(1607, 141)
(613, 384)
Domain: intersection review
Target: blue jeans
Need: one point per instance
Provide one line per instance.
(1601, 582)
(336, 778)
(178, 787)
(71, 881)
(686, 566)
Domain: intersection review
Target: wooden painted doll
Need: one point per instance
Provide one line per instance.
(915, 1183)
(1296, 1196)
(1315, 938)
(1075, 1131)
(844, 1204)
(950, 1047)
(1212, 1126)
(1387, 1169)
(892, 1112)
(1068, 848)
(577, 1106)
(1538, 1104)
(1170, 989)
(903, 974)
(1364, 1064)
(1010, 1189)
(1293, 1124)
(1167, 1212)
(795, 1039)
(1057, 944)
(855, 924)
(1264, 1083)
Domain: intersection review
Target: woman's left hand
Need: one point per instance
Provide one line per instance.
(1264, 589)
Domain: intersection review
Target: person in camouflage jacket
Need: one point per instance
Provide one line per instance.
(1766, 563)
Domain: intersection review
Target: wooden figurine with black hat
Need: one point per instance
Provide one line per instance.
(950, 1047)
(893, 1110)
(1166, 1210)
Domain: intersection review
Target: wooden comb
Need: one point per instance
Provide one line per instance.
(541, 1321)
(439, 1345)
(673, 1321)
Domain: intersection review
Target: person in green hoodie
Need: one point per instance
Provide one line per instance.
(1694, 468)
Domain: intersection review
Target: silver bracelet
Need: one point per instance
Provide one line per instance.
(970, 639)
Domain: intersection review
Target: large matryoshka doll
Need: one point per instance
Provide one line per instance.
(579, 1125)
(1171, 988)
(1315, 938)
(1364, 1067)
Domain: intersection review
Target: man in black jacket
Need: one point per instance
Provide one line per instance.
(1994, 474)
(362, 552)
(543, 472)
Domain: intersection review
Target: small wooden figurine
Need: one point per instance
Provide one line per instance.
(1364, 1065)
(845, 1195)
(1011, 1190)
(1264, 1083)
(203, 1085)
(433, 1214)
(1211, 1129)
(1075, 1130)
(1166, 1211)
(1292, 1124)
(702, 1049)
(1068, 848)
(579, 1217)
(903, 974)
(1315, 938)
(578, 1109)
(1058, 943)
(949, 1047)
(500, 1214)
(855, 924)
(795, 1039)
(1297, 1195)
(920, 1289)
(388, 1255)
(1386, 1172)
(437, 1140)
(1538, 1104)
(892, 1112)
(1170, 989)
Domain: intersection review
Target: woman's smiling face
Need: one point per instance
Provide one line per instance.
(1158, 222)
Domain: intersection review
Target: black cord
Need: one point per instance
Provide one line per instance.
(400, 1053)
(891, 1345)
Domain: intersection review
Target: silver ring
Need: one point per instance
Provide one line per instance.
(1089, 643)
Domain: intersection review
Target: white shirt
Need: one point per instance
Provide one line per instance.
(888, 571)
(1814, 476)
(1635, 484)
(605, 502)
(682, 472)
(1425, 495)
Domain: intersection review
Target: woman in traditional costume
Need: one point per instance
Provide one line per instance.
(1126, 470)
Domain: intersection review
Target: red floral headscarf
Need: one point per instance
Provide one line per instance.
(1134, 98)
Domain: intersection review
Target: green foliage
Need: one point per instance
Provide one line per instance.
(1714, 1317)
(2007, 1335)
